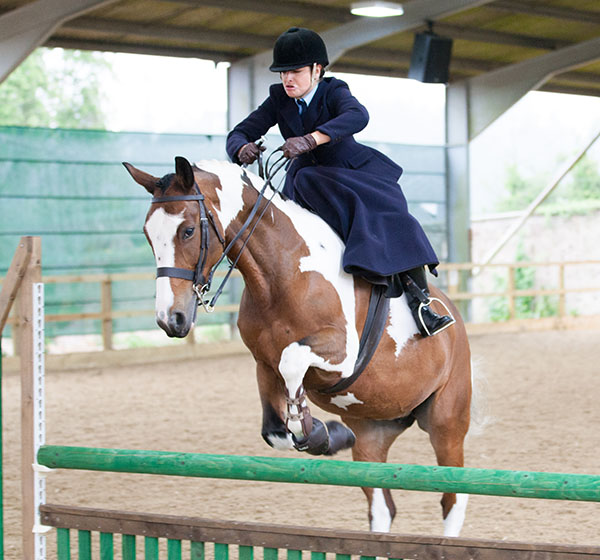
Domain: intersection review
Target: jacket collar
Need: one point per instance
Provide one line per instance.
(292, 116)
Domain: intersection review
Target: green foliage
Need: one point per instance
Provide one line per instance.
(578, 194)
(526, 307)
(520, 192)
(55, 88)
(584, 185)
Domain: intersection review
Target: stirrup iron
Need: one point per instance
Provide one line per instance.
(428, 304)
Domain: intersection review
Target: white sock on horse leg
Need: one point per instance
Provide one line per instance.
(381, 520)
(456, 517)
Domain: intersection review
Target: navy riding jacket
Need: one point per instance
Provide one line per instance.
(333, 111)
(353, 187)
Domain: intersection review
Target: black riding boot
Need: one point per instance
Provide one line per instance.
(415, 287)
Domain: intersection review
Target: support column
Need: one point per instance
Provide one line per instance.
(458, 205)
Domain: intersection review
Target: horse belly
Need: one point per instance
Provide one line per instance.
(392, 386)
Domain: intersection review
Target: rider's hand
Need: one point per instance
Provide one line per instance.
(297, 145)
(249, 152)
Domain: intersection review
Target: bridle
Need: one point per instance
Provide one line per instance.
(201, 284)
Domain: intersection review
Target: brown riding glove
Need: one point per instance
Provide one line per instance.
(297, 145)
(249, 152)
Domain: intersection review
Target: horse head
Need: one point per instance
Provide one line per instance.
(182, 231)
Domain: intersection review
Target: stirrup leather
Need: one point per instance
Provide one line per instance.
(428, 303)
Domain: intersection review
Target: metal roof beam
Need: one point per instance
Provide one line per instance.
(289, 8)
(156, 31)
(498, 37)
(365, 30)
(582, 16)
(493, 93)
(260, 42)
(24, 28)
(140, 48)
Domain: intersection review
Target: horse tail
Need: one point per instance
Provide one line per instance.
(480, 416)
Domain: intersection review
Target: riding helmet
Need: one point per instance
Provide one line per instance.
(298, 47)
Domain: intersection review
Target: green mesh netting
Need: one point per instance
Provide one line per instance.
(70, 188)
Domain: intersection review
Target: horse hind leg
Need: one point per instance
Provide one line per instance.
(445, 417)
(373, 441)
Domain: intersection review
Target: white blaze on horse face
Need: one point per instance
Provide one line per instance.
(381, 520)
(161, 228)
(402, 326)
(456, 516)
(344, 401)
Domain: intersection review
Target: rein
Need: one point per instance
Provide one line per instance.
(200, 284)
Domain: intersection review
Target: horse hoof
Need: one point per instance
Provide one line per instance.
(340, 437)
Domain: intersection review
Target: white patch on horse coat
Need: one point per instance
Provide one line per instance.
(230, 196)
(325, 248)
(161, 228)
(456, 517)
(281, 443)
(381, 520)
(295, 360)
(344, 401)
(402, 326)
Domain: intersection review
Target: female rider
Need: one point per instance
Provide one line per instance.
(353, 187)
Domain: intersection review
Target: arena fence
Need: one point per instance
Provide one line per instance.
(548, 303)
(191, 534)
(182, 533)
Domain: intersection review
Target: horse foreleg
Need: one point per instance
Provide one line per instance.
(270, 388)
(373, 441)
(309, 434)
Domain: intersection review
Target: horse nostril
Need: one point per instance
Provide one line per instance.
(179, 319)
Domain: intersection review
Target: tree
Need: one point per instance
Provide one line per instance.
(586, 181)
(68, 95)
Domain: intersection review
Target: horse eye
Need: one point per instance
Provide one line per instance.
(188, 232)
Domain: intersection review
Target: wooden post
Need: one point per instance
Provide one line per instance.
(562, 308)
(32, 275)
(107, 326)
(511, 293)
(8, 296)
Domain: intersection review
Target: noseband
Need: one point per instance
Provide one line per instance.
(200, 284)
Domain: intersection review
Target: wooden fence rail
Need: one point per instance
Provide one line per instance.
(455, 274)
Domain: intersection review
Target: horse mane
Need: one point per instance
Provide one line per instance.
(164, 182)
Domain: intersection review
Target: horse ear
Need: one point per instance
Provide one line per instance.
(142, 178)
(185, 172)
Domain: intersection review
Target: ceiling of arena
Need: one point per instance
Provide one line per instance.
(497, 34)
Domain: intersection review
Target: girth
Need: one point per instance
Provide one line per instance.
(377, 315)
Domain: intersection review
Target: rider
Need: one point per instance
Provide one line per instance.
(353, 187)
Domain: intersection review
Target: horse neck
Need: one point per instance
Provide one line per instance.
(263, 258)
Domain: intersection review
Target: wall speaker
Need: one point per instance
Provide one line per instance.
(430, 59)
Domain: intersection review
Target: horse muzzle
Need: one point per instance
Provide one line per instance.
(177, 324)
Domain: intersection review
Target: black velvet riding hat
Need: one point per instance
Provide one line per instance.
(298, 47)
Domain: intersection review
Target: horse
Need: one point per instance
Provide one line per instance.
(301, 317)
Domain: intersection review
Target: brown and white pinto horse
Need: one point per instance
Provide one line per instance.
(301, 317)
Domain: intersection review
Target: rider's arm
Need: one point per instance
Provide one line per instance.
(255, 125)
(348, 116)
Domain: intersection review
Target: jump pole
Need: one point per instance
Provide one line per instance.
(491, 482)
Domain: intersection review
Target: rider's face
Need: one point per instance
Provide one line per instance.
(297, 83)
